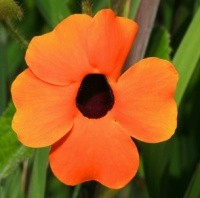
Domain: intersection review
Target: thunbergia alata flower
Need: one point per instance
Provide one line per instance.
(74, 98)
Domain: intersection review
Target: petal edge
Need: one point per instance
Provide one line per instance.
(145, 104)
(95, 150)
(38, 123)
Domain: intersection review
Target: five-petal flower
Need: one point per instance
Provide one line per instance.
(73, 98)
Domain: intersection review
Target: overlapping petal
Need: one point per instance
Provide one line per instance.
(45, 96)
(80, 45)
(45, 112)
(144, 103)
(109, 42)
(60, 57)
(95, 149)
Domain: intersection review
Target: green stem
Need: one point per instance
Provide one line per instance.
(87, 7)
(39, 174)
(24, 176)
(14, 33)
(76, 191)
(145, 18)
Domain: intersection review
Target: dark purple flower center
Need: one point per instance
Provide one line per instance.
(95, 97)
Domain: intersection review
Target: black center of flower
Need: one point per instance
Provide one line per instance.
(95, 97)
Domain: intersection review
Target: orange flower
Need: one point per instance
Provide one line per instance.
(73, 98)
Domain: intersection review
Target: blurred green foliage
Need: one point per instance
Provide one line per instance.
(168, 169)
(11, 152)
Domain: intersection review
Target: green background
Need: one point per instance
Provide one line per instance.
(168, 169)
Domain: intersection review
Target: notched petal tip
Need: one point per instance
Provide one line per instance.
(110, 39)
(107, 154)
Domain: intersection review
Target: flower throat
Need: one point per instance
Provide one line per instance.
(95, 97)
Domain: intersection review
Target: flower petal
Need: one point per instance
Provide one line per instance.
(109, 42)
(60, 57)
(144, 100)
(44, 112)
(95, 149)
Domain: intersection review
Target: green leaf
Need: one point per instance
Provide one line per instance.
(155, 161)
(2, 194)
(134, 5)
(193, 189)
(55, 11)
(13, 186)
(11, 150)
(185, 60)
(159, 44)
(76, 191)
(38, 179)
(196, 5)
(187, 56)
(129, 8)
(167, 12)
